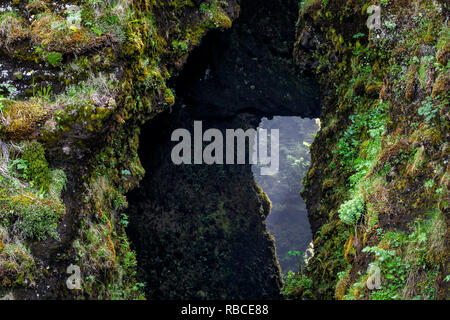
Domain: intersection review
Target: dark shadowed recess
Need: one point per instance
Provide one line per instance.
(199, 231)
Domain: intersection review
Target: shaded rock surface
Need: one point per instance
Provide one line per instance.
(200, 230)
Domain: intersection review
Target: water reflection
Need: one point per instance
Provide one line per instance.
(288, 220)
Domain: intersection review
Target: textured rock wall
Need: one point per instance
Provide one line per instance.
(377, 190)
(200, 230)
(79, 78)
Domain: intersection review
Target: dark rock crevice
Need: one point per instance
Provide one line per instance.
(199, 231)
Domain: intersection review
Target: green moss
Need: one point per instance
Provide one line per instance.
(37, 219)
(37, 169)
(20, 118)
(54, 58)
(17, 267)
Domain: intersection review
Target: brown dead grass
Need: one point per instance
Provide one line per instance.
(51, 32)
(11, 30)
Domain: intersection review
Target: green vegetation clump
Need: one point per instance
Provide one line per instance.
(216, 18)
(54, 58)
(428, 110)
(35, 166)
(35, 218)
(402, 258)
(295, 283)
(350, 211)
(20, 119)
(31, 211)
(18, 269)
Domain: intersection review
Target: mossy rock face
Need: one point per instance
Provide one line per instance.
(399, 172)
(81, 78)
(84, 88)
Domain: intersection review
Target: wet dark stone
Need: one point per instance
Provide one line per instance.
(199, 230)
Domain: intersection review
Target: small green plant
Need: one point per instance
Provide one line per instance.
(7, 88)
(19, 168)
(97, 31)
(125, 174)
(44, 92)
(53, 58)
(204, 7)
(391, 25)
(359, 35)
(124, 220)
(179, 45)
(350, 212)
(300, 258)
(429, 184)
(428, 110)
(59, 181)
(139, 286)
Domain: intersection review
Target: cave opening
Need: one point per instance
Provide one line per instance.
(200, 231)
(288, 219)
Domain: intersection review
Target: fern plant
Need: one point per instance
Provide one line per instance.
(350, 212)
